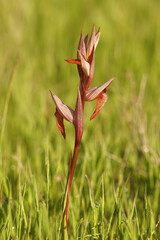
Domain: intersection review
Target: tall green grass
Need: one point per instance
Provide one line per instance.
(116, 188)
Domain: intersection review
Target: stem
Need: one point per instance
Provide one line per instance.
(78, 137)
(83, 93)
(70, 180)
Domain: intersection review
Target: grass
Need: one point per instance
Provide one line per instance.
(116, 188)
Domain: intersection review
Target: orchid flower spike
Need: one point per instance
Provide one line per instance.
(85, 65)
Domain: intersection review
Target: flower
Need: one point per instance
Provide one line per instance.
(98, 93)
(85, 58)
(62, 111)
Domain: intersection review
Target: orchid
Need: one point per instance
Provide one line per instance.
(85, 65)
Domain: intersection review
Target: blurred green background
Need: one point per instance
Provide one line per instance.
(122, 143)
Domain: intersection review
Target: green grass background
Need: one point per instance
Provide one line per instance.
(116, 188)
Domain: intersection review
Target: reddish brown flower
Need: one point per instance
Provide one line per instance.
(98, 93)
(62, 111)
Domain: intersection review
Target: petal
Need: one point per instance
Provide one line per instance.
(84, 64)
(100, 102)
(93, 93)
(60, 124)
(91, 62)
(82, 46)
(97, 38)
(65, 111)
(86, 40)
(78, 119)
(91, 42)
